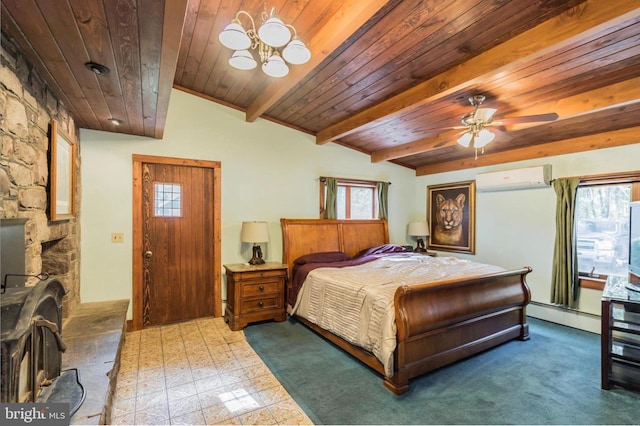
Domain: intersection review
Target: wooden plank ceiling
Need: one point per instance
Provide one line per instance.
(391, 79)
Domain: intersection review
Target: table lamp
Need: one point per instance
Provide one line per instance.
(419, 230)
(255, 232)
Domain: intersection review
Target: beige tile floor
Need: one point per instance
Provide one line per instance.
(198, 372)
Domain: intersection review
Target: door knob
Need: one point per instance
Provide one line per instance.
(148, 254)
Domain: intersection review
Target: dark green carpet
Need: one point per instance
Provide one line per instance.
(554, 378)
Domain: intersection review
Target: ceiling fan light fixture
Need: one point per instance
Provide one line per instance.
(465, 139)
(483, 138)
(275, 66)
(242, 60)
(235, 37)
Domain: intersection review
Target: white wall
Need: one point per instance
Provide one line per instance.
(517, 228)
(268, 172)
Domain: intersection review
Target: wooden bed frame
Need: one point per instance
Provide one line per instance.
(438, 323)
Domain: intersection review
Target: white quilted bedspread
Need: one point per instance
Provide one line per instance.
(356, 302)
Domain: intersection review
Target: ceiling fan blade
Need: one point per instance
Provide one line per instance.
(438, 129)
(500, 135)
(484, 114)
(529, 118)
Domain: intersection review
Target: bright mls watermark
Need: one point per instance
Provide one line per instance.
(54, 414)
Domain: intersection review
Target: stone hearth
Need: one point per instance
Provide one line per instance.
(94, 334)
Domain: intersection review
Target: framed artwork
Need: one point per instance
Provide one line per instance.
(62, 174)
(451, 212)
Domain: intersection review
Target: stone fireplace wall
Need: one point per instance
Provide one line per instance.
(27, 107)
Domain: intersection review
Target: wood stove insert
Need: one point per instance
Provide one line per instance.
(31, 341)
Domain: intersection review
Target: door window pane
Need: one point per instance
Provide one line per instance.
(602, 228)
(167, 199)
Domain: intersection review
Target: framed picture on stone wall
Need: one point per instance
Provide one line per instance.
(62, 174)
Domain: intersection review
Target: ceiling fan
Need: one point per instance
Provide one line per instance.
(475, 123)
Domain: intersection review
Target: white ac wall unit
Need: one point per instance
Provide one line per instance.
(528, 177)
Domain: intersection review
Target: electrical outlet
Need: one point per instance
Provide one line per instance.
(117, 237)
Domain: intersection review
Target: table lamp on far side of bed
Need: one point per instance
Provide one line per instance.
(419, 230)
(255, 232)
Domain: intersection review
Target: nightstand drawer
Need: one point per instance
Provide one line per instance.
(260, 275)
(262, 287)
(263, 304)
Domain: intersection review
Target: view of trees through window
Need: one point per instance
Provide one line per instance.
(356, 202)
(602, 228)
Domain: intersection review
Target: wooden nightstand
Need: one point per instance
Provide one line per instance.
(255, 293)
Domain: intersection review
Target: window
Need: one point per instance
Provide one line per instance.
(356, 199)
(167, 199)
(602, 228)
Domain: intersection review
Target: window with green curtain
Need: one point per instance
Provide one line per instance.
(564, 280)
(383, 200)
(353, 199)
(592, 224)
(331, 207)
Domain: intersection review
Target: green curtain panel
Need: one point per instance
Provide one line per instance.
(383, 200)
(564, 283)
(330, 208)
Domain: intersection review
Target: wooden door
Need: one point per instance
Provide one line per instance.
(176, 240)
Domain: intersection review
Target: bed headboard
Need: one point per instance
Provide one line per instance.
(304, 236)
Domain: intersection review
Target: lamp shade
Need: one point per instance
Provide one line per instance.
(419, 229)
(255, 232)
(243, 60)
(274, 32)
(235, 37)
(275, 66)
(465, 139)
(483, 138)
(296, 52)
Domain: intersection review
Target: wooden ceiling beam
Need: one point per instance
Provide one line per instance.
(569, 146)
(589, 18)
(174, 16)
(352, 15)
(612, 96)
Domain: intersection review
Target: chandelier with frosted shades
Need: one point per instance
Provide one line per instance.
(272, 35)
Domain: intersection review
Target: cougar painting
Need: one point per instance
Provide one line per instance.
(449, 215)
